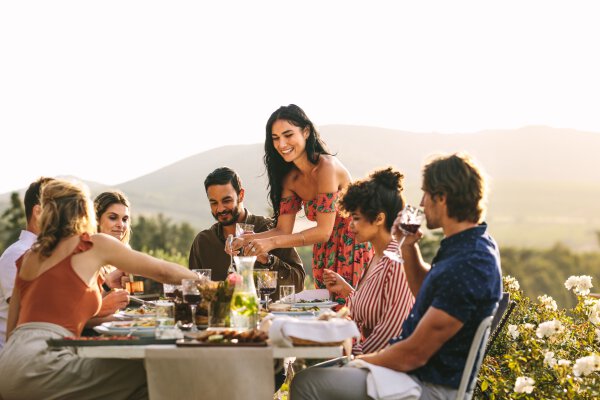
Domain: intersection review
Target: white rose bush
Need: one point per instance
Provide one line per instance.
(543, 352)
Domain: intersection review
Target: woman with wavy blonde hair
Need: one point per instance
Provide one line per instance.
(56, 292)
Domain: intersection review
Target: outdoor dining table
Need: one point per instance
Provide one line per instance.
(233, 372)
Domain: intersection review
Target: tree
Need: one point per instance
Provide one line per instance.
(12, 221)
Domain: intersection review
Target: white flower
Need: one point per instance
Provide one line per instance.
(563, 362)
(598, 335)
(524, 385)
(549, 359)
(590, 302)
(511, 283)
(594, 312)
(580, 284)
(513, 331)
(549, 328)
(586, 365)
(528, 326)
(548, 302)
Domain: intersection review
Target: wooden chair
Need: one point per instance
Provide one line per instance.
(474, 359)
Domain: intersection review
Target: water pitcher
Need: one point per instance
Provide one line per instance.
(244, 303)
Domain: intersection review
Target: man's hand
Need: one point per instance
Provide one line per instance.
(113, 301)
(409, 238)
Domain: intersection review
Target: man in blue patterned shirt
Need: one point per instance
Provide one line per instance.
(453, 295)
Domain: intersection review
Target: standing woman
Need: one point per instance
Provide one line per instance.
(303, 173)
(382, 299)
(56, 292)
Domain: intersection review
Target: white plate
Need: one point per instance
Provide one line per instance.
(295, 313)
(143, 332)
(124, 326)
(125, 314)
(320, 304)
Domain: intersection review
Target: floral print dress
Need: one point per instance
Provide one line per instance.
(340, 253)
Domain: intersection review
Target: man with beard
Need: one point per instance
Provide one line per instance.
(226, 195)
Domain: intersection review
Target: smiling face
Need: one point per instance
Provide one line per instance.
(225, 204)
(115, 221)
(289, 140)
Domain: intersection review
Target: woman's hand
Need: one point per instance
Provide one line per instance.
(113, 301)
(115, 280)
(336, 284)
(233, 245)
(258, 246)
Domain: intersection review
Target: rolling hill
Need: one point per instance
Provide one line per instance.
(545, 182)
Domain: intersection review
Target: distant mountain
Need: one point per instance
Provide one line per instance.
(545, 182)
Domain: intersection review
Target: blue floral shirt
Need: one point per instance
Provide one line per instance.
(465, 281)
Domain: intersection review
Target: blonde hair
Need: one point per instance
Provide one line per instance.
(66, 211)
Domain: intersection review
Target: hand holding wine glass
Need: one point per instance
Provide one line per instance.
(407, 223)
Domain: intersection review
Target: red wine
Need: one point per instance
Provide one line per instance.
(192, 298)
(412, 228)
(267, 291)
(170, 295)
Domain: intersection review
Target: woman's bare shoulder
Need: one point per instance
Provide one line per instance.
(331, 166)
(104, 240)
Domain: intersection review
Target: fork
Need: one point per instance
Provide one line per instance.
(231, 268)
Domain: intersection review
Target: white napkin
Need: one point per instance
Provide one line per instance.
(312, 294)
(334, 330)
(387, 384)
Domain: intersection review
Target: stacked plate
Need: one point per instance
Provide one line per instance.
(124, 328)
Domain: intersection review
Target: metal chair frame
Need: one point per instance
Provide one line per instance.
(474, 359)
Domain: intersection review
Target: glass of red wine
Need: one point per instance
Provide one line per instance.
(192, 297)
(411, 219)
(266, 281)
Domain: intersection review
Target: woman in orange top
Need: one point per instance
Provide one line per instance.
(303, 173)
(56, 292)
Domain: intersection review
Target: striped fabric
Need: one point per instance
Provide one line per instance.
(380, 304)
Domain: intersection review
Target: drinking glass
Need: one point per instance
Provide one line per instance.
(411, 219)
(287, 294)
(267, 283)
(192, 297)
(135, 287)
(203, 272)
(165, 313)
(169, 291)
(243, 229)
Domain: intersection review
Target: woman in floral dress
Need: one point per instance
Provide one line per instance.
(303, 174)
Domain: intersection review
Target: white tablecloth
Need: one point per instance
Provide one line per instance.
(210, 373)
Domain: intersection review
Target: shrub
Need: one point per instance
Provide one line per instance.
(544, 352)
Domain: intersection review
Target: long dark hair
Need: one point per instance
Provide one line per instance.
(277, 168)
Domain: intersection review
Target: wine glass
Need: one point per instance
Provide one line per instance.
(243, 229)
(191, 296)
(411, 219)
(267, 283)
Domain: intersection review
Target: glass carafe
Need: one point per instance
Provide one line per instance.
(244, 303)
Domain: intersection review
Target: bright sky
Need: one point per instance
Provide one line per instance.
(111, 90)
